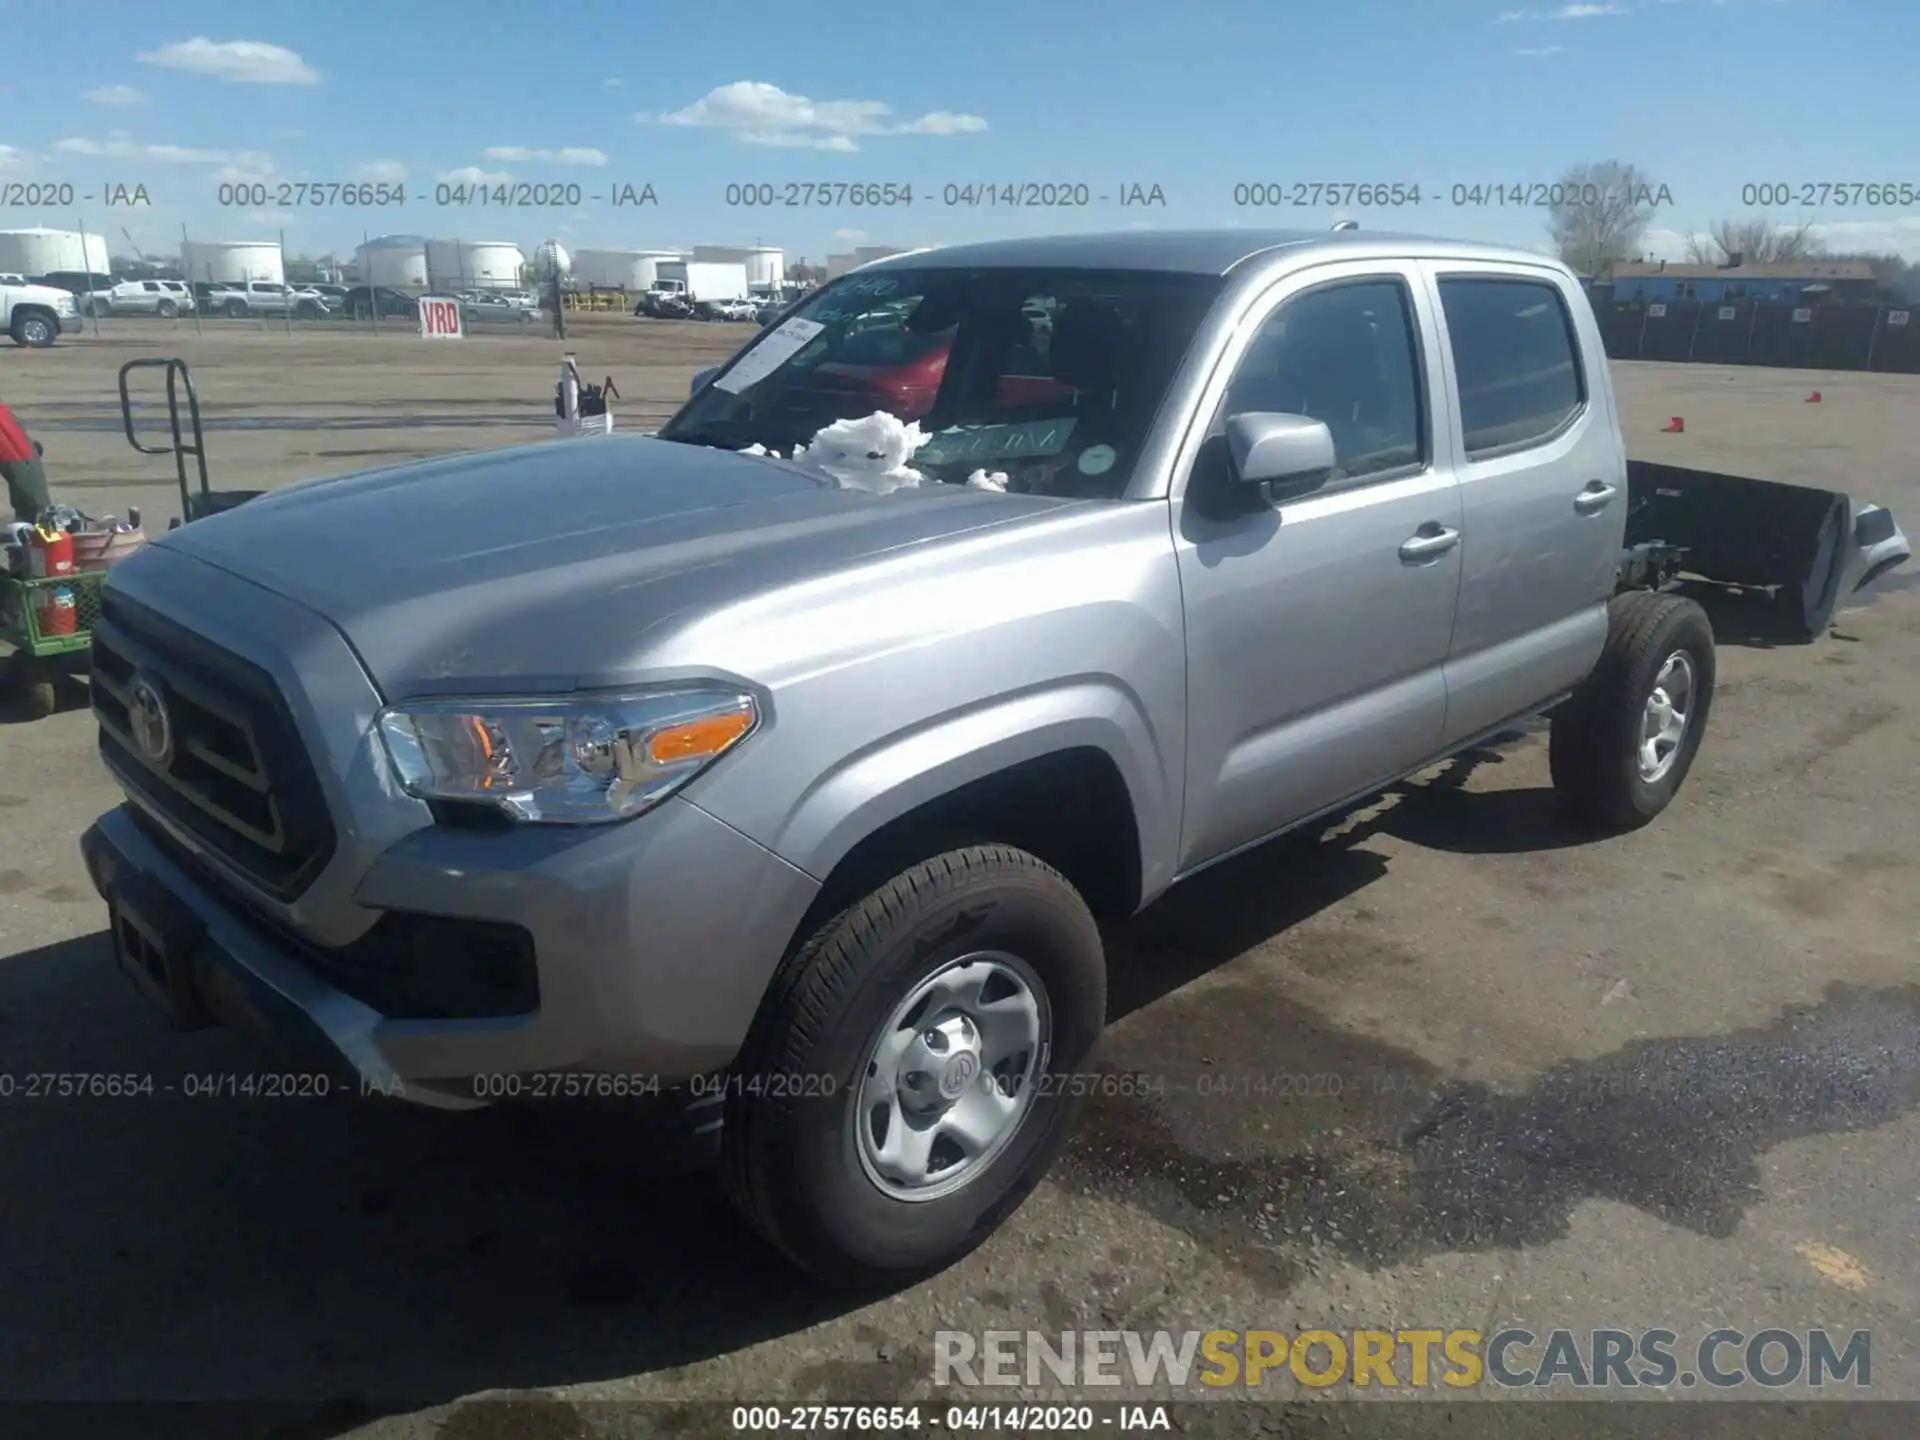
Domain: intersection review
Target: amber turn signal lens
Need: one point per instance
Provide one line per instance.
(696, 739)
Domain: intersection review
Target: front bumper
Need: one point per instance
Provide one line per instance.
(654, 942)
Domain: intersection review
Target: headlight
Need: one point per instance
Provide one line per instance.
(576, 760)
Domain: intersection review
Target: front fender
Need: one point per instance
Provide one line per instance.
(906, 770)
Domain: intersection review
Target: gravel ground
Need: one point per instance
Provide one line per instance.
(1442, 1066)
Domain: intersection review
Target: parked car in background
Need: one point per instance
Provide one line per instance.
(165, 298)
(7, 277)
(485, 306)
(365, 302)
(334, 295)
(92, 289)
(36, 315)
(264, 297)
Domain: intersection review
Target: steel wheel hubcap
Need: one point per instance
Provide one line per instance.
(1663, 724)
(950, 1076)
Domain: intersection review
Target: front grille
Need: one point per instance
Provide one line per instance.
(234, 775)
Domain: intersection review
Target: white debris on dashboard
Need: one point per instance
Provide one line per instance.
(871, 454)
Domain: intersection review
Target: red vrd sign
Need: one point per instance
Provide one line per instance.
(439, 318)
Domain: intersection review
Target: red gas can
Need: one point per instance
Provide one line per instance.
(59, 612)
(50, 553)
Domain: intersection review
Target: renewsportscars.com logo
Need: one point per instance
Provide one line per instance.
(1458, 1359)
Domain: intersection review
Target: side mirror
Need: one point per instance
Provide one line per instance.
(701, 378)
(1289, 454)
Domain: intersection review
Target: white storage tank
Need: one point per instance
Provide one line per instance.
(766, 267)
(551, 255)
(474, 264)
(398, 262)
(233, 262)
(721, 254)
(40, 251)
(630, 270)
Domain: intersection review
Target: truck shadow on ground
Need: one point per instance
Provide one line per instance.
(348, 1258)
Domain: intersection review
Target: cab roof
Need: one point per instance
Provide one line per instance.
(1193, 252)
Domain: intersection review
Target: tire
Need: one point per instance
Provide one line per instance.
(32, 683)
(236, 309)
(34, 329)
(1595, 749)
(166, 310)
(793, 1163)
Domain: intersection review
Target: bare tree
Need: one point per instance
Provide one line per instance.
(1604, 210)
(1756, 242)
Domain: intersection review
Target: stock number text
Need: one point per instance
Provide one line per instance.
(310, 194)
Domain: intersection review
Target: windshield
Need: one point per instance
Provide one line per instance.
(1049, 377)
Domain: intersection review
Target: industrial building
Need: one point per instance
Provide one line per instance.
(1772, 281)
(40, 251)
(233, 262)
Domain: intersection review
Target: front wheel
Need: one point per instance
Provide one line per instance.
(910, 1076)
(1621, 747)
(236, 309)
(33, 330)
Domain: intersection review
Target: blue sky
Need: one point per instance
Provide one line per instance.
(1196, 98)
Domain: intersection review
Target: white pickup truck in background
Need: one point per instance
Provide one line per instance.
(36, 315)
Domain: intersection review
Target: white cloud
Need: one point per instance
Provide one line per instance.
(850, 235)
(757, 113)
(473, 175)
(1535, 51)
(120, 146)
(613, 82)
(247, 62)
(114, 95)
(383, 170)
(1895, 234)
(569, 155)
(1564, 12)
(12, 157)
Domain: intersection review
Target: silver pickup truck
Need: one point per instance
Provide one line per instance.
(632, 765)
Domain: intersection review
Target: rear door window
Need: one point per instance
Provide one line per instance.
(1516, 359)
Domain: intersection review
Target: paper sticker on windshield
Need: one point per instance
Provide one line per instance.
(773, 351)
(997, 442)
(1097, 459)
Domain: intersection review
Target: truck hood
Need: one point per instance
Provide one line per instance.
(560, 565)
(50, 296)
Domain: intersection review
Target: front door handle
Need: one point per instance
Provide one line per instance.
(1429, 541)
(1596, 497)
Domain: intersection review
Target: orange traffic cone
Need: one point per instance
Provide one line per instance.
(1675, 426)
(1814, 398)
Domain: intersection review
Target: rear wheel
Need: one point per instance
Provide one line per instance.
(1622, 745)
(905, 1084)
(166, 310)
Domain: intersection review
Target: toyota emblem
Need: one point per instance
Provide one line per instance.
(149, 721)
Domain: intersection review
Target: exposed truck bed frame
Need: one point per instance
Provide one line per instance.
(1810, 547)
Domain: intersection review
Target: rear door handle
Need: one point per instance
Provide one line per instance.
(1597, 496)
(1429, 541)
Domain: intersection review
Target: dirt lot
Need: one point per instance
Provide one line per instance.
(1443, 1066)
